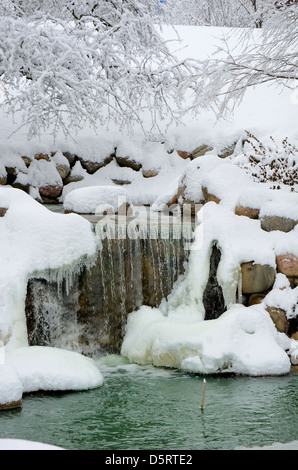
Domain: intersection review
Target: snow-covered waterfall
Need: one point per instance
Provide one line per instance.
(135, 265)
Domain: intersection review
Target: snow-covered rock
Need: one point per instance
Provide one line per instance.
(97, 200)
(52, 369)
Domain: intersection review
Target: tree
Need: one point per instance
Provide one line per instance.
(231, 13)
(65, 63)
(270, 56)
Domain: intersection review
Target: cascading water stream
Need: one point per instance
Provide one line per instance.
(86, 310)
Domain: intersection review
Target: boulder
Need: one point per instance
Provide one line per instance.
(3, 211)
(247, 212)
(128, 162)
(63, 170)
(227, 151)
(287, 264)
(272, 222)
(71, 157)
(42, 156)
(92, 167)
(186, 205)
(256, 278)
(11, 174)
(279, 318)
(73, 179)
(209, 197)
(150, 173)
(50, 192)
(11, 406)
(256, 299)
(27, 161)
(121, 182)
(22, 183)
(3, 180)
(184, 155)
(201, 151)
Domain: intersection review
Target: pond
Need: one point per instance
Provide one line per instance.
(143, 408)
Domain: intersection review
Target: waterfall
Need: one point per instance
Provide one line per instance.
(86, 310)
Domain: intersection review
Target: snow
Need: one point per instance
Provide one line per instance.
(20, 444)
(242, 341)
(96, 200)
(11, 389)
(52, 369)
(35, 241)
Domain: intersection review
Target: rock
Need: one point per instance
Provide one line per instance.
(293, 282)
(279, 318)
(201, 151)
(186, 205)
(295, 336)
(227, 151)
(284, 224)
(50, 192)
(213, 298)
(150, 173)
(71, 157)
(173, 201)
(3, 211)
(11, 174)
(256, 278)
(125, 209)
(42, 156)
(93, 167)
(63, 170)
(11, 406)
(22, 183)
(128, 163)
(121, 182)
(184, 155)
(209, 197)
(73, 179)
(256, 299)
(27, 161)
(247, 212)
(288, 265)
(3, 180)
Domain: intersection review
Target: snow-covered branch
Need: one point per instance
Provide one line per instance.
(94, 61)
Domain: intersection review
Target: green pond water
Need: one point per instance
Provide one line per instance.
(144, 408)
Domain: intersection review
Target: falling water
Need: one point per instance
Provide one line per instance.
(86, 309)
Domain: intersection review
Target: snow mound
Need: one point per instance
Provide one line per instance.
(20, 444)
(11, 389)
(33, 240)
(96, 200)
(241, 341)
(52, 369)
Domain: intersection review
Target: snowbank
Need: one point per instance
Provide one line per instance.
(243, 341)
(20, 444)
(96, 200)
(34, 241)
(52, 369)
(11, 389)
